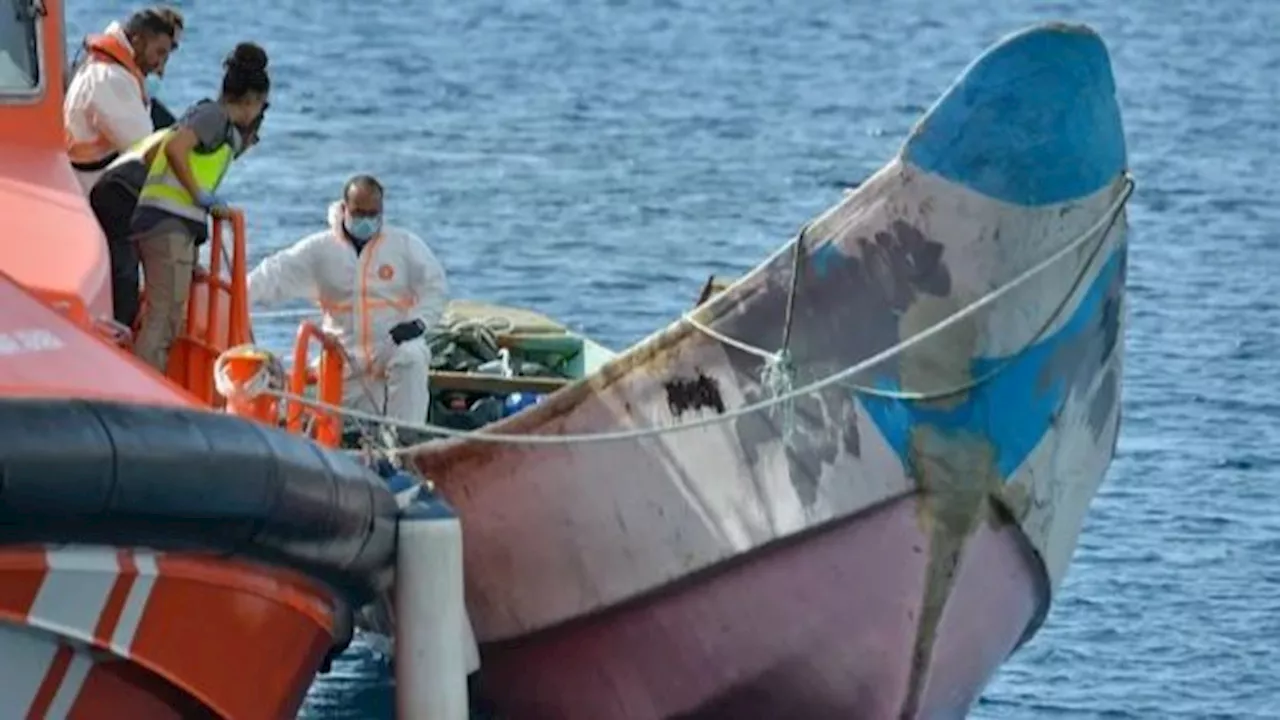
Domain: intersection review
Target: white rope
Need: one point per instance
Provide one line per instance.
(733, 414)
(1103, 223)
(257, 384)
(765, 355)
(295, 314)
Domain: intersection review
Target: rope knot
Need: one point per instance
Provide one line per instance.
(778, 379)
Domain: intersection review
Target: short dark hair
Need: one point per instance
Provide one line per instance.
(150, 22)
(368, 182)
(172, 14)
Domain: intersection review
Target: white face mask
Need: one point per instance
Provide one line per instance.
(236, 139)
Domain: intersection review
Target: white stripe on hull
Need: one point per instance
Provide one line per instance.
(75, 590)
(139, 594)
(25, 658)
(66, 612)
(72, 682)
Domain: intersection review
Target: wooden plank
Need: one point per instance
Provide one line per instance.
(477, 382)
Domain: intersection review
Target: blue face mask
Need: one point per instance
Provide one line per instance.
(153, 86)
(363, 228)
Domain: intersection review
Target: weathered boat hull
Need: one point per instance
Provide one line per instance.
(823, 626)
(876, 548)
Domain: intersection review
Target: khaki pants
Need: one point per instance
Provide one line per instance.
(168, 254)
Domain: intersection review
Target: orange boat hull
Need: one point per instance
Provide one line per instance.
(97, 632)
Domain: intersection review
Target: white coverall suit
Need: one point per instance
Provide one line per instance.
(394, 278)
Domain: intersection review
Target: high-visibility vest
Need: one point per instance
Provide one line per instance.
(163, 190)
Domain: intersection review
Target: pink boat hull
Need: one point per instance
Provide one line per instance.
(822, 626)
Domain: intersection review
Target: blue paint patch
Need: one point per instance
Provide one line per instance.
(824, 257)
(1013, 410)
(401, 481)
(1033, 121)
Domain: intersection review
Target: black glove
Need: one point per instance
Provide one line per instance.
(408, 330)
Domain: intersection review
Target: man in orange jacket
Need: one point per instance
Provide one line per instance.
(107, 107)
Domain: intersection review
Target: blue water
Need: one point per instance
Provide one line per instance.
(596, 160)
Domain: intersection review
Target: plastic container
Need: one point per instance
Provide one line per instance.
(518, 401)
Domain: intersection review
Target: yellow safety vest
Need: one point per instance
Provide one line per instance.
(140, 149)
(163, 190)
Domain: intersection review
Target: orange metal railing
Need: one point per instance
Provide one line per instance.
(326, 428)
(218, 320)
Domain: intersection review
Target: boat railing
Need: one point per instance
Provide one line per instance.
(323, 426)
(217, 312)
(215, 351)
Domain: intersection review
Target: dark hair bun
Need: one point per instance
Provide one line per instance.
(247, 58)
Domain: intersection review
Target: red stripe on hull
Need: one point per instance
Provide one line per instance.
(111, 612)
(22, 572)
(246, 640)
(53, 678)
(824, 627)
(206, 637)
(115, 690)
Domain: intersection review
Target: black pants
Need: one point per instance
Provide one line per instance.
(113, 204)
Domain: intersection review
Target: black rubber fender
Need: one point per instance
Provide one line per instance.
(97, 472)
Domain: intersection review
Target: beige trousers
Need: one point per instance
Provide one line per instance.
(168, 254)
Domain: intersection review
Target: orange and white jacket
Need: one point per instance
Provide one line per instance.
(106, 109)
(395, 278)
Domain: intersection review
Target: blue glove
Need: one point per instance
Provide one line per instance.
(208, 201)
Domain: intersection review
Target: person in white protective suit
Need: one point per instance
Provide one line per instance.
(380, 289)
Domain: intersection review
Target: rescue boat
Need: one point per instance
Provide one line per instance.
(157, 559)
(848, 483)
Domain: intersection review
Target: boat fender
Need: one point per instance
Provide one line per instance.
(435, 646)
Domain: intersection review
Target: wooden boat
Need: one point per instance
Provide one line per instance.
(875, 549)
(157, 560)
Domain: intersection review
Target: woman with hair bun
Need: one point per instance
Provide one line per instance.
(183, 176)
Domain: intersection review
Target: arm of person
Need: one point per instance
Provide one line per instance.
(287, 275)
(118, 110)
(205, 126)
(176, 151)
(430, 287)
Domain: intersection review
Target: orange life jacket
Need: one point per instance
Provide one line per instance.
(98, 151)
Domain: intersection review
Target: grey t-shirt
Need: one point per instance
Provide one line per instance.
(209, 121)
